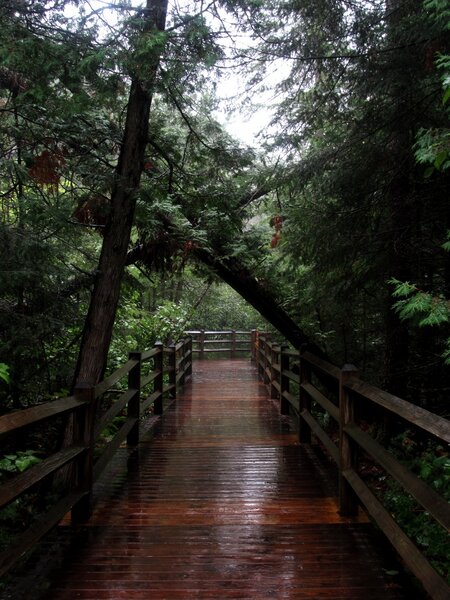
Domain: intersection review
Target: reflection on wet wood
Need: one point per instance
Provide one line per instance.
(222, 503)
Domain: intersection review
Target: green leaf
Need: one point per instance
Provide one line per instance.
(4, 373)
(26, 462)
(446, 96)
(7, 465)
(403, 288)
(439, 314)
(425, 470)
(440, 159)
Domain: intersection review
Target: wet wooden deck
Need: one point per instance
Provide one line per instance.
(222, 503)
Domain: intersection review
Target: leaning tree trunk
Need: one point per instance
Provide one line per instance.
(102, 309)
(246, 285)
(233, 272)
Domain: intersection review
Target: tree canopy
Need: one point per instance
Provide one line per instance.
(121, 191)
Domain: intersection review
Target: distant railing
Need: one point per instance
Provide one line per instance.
(340, 393)
(157, 373)
(229, 342)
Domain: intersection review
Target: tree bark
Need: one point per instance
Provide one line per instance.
(102, 309)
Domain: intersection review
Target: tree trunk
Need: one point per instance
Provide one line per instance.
(102, 309)
(238, 276)
(244, 282)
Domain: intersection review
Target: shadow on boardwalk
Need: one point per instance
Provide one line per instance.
(220, 502)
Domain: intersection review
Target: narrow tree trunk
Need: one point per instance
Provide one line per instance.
(102, 310)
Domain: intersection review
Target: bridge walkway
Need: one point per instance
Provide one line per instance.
(221, 502)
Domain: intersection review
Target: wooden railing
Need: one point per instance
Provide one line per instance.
(229, 342)
(341, 394)
(141, 383)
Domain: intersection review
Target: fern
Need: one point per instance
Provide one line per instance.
(439, 313)
(4, 373)
(402, 288)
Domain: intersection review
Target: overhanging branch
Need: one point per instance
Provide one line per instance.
(239, 277)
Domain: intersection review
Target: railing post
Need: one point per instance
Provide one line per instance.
(173, 370)
(260, 354)
(284, 381)
(158, 383)
(253, 345)
(83, 435)
(304, 430)
(183, 361)
(202, 343)
(134, 405)
(348, 504)
(266, 363)
(190, 357)
(262, 342)
(233, 343)
(274, 354)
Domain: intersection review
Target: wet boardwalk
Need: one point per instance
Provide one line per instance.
(221, 504)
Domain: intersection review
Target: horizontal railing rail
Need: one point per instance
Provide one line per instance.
(340, 393)
(230, 342)
(144, 379)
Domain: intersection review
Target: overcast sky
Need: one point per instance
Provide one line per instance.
(244, 123)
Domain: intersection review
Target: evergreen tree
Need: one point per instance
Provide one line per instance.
(361, 84)
(42, 145)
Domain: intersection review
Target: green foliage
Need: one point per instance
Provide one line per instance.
(354, 96)
(222, 308)
(357, 86)
(19, 461)
(427, 534)
(110, 431)
(147, 47)
(138, 327)
(433, 148)
(4, 373)
(169, 321)
(37, 269)
(440, 11)
(164, 308)
(58, 90)
(132, 328)
(425, 308)
(433, 144)
(432, 464)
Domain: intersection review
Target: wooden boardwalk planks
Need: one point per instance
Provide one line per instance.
(222, 503)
